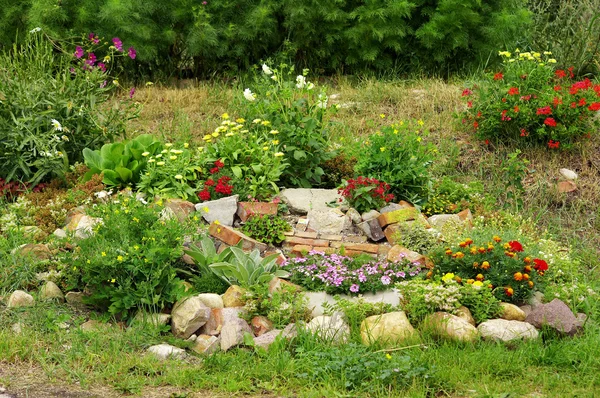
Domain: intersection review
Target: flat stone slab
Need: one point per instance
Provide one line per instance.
(301, 200)
(222, 210)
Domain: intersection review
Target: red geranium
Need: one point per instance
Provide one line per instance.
(515, 246)
(546, 110)
(204, 195)
(498, 76)
(595, 106)
(540, 265)
(513, 91)
(550, 122)
(553, 144)
(560, 73)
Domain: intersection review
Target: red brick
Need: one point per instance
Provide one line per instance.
(397, 216)
(306, 234)
(232, 237)
(303, 241)
(247, 209)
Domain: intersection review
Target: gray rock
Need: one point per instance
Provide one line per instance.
(188, 316)
(329, 221)
(211, 300)
(60, 233)
(372, 229)
(330, 328)
(390, 207)
(437, 221)
(50, 291)
(536, 299)
(354, 215)
(233, 332)
(302, 200)
(581, 319)
(75, 299)
(265, 340)
(85, 227)
(568, 174)
(222, 210)
(206, 344)
(556, 315)
(166, 351)
(370, 215)
(17, 328)
(526, 309)
(20, 298)
(506, 330)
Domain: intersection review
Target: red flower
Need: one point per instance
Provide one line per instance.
(204, 195)
(487, 142)
(573, 105)
(469, 104)
(546, 110)
(209, 183)
(560, 74)
(513, 91)
(557, 101)
(516, 109)
(214, 170)
(475, 124)
(597, 89)
(595, 106)
(498, 76)
(515, 246)
(553, 144)
(524, 133)
(526, 97)
(557, 88)
(570, 69)
(219, 164)
(550, 122)
(466, 92)
(540, 265)
(582, 102)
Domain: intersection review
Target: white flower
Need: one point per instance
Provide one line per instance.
(300, 81)
(35, 30)
(56, 125)
(248, 95)
(266, 69)
(274, 77)
(310, 86)
(322, 101)
(145, 154)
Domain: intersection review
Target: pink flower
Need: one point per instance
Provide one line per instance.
(131, 92)
(386, 280)
(132, 53)
(354, 288)
(78, 52)
(118, 43)
(102, 66)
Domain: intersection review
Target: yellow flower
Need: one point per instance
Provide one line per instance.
(225, 116)
(382, 149)
(275, 142)
(173, 157)
(448, 277)
(159, 156)
(229, 134)
(160, 163)
(265, 122)
(113, 280)
(265, 148)
(195, 218)
(103, 254)
(382, 115)
(551, 61)
(205, 209)
(178, 177)
(240, 120)
(107, 58)
(116, 82)
(150, 161)
(478, 283)
(215, 134)
(274, 132)
(504, 54)
(145, 154)
(136, 247)
(217, 222)
(207, 137)
(120, 258)
(186, 145)
(420, 122)
(136, 219)
(256, 121)
(278, 154)
(388, 356)
(547, 53)
(168, 145)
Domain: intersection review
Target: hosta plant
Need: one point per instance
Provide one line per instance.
(529, 101)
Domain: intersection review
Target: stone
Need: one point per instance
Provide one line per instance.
(355, 238)
(261, 325)
(293, 240)
(400, 215)
(211, 300)
(306, 234)
(247, 209)
(507, 330)
(232, 237)
(361, 247)
(581, 319)
(390, 207)
(155, 319)
(234, 296)
(568, 174)
(354, 215)
(328, 221)
(399, 253)
(50, 291)
(75, 299)
(187, 316)
(511, 312)
(192, 338)
(265, 340)
(179, 208)
(391, 233)
(60, 233)
(465, 313)
(165, 351)
(232, 333)
(34, 232)
(222, 210)
(276, 284)
(437, 221)
(302, 200)
(392, 327)
(537, 298)
(372, 229)
(450, 327)
(37, 250)
(556, 315)
(566, 186)
(330, 328)
(205, 344)
(370, 215)
(466, 217)
(20, 298)
(17, 328)
(83, 225)
(526, 309)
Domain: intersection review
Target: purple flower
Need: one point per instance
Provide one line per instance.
(102, 66)
(93, 38)
(118, 43)
(386, 280)
(91, 59)
(78, 52)
(132, 53)
(72, 70)
(354, 288)
(103, 84)
(204, 3)
(131, 92)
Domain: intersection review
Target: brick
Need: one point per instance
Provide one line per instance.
(289, 233)
(307, 234)
(390, 231)
(397, 216)
(336, 238)
(303, 241)
(355, 238)
(383, 251)
(355, 253)
(232, 237)
(301, 249)
(247, 209)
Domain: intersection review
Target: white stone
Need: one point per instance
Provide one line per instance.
(317, 299)
(328, 221)
(370, 215)
(19, 298)
(301, 200)
(222, 210)
(152, 318)
(211, 300)
(165, 351)
(330, 328)
(85, 226)
(60, 233)
(233, 333)
(505, 330)
(568, 174)
(188, 316)
(450, 327)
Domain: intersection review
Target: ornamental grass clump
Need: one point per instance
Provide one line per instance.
(509, 270)
(529, 101)
(339, 274)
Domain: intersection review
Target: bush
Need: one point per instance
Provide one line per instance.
(449, 197)
(130, 261)
(397, 155)
(528, 101)
(53, 106)
(414, 236)
(266, 228)
(281, 307)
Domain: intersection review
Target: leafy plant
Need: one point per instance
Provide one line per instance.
(416, 237)
(121, 163)
(365, 194)
(356, 311)
(282, 307)
(528, 101)
(205, 255)
(397, 155)
(266, 228)
(448, 197)
(248, 269)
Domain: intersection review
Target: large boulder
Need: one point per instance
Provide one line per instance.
(20, 298)
(506, 330)
(330, 328)
(511, 312)
(188, 316)
(233, 333)
(234, 296)
(51, 291)
(450, 327)
(556, 315)
(392, 327)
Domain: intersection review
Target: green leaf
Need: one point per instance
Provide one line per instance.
(124, 173)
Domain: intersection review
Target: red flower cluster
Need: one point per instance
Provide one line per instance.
(221, 186)
(515, 246)
(540, 265)
(513, 91)
(553, 144)
(357, 189)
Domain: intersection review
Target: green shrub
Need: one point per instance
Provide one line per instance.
(282, 307)
(365, 194)
(414, 236)
(528, 101)
(52, 108)
(130, 261)
(449, 197)
(397, 155)
(266, 228)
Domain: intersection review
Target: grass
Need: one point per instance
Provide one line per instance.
(111, 362)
